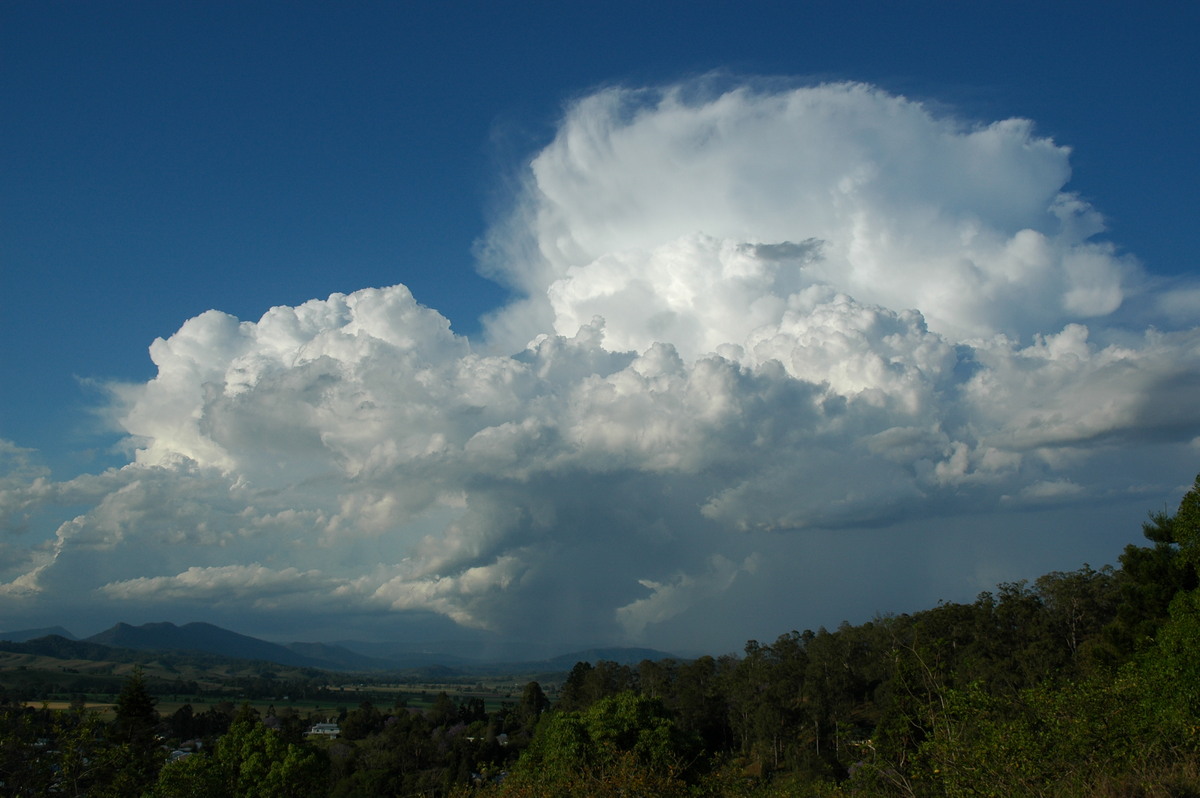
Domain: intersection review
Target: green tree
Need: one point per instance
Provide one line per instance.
(1078, 605)
(361, 722)
(137, 719)
(700, 705)
(586, 683)
(1172, 665)
(21, 771)
(443, 712)
(194, 776)
(573, 695)
(257, 763)
(533, 703)
(1149, 579)
(251, 761)
(129, 763)
(620, 738)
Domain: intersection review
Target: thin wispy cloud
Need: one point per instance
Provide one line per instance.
(751, 324)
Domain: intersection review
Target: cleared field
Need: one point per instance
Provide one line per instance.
(105, 709)
(347, 699)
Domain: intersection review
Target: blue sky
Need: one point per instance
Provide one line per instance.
(162, 160)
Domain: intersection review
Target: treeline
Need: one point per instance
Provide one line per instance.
(227, 751)
(26, 685)
(1083, 683)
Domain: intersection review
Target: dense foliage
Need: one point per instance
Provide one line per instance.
(1083, 683)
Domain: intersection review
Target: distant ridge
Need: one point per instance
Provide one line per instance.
(205, 639)
(60, 647)
(619, 655)
(32, 634)
(337, 658)
(469, 656)
(210, 639)
(195, 637)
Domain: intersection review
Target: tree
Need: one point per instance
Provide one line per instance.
(132, 759)
(20, 773)
(1078, 605)
(617, 742)
(699, 705)
(361, 722)
(84, 759)
(257, 763)
(573, 695)
(182, 723)
(586, 684)
(443, 712)
(1149, 579)
(533, 704)
(194, 776)
(1172, 665)
(137, 719)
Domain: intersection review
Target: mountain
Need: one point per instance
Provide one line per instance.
(621, 656)
(432, 657)
(458, 658)
(210, 639)
(61, 648)
(31, 634)
(337, 658)
(195, 637)
(471, 656)
(402, 654)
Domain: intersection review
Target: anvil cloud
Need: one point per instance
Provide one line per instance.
(775, 352)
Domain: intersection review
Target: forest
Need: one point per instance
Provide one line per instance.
(1081, 683)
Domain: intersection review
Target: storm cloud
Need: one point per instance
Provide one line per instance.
(775, 352)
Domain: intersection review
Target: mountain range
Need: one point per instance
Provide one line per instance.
(205, 638)
(32, 634)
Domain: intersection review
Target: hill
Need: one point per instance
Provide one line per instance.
(209, 639)
(206, 645)
(22, 635)
(619, 655)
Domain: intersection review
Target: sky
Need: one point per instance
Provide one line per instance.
(580, 324)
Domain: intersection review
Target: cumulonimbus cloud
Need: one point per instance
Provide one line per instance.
(742, 313)
(842, 185)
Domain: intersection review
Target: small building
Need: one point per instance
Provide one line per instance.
(325, 729)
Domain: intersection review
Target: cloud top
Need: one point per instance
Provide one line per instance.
(693, 219)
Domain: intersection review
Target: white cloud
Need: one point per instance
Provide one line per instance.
(240, 585)
(678, 595)
(754, 320)
(968, 223)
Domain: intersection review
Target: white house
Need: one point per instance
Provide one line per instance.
(326, 729)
